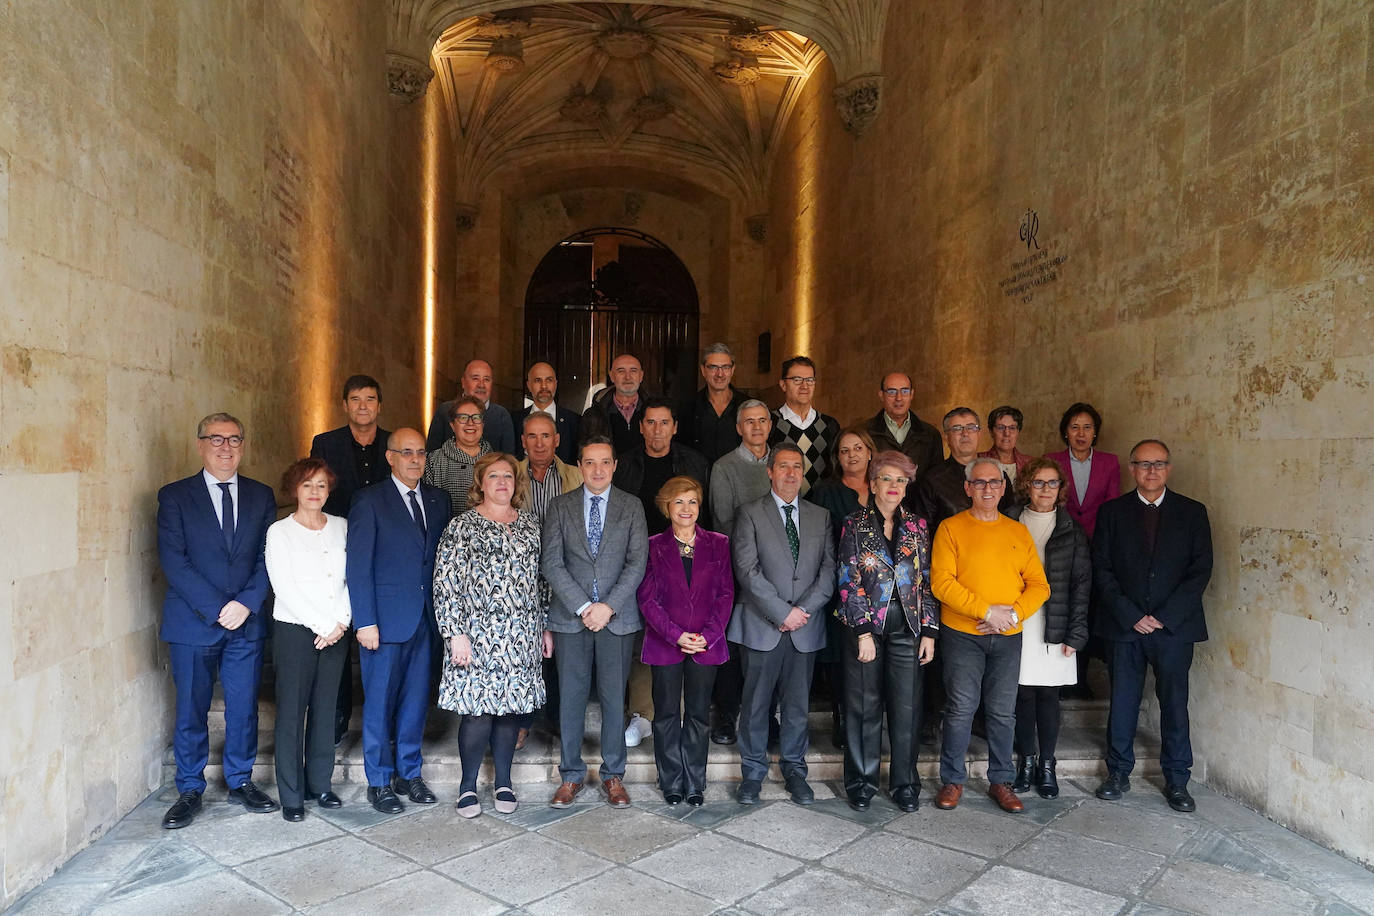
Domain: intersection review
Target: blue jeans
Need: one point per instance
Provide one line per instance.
(976, 668)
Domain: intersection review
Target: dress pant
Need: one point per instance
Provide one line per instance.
(682, 724)
(1171, 659)
(892, 682)
(577, 654)
(395, 700)
(788, 672)
(729, 685)
(307, 689)
(343, 707)
(984, 668)
(237, 663)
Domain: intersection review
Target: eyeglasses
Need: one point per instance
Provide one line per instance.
(467, 418)
(1005, 428)
(408, 452)
(886, 478)
(219, 441)
(1150, 465)
(800, 380)
(981, 484)
(714, 368)
(1043, 484)
(893, 392)
(963, 428)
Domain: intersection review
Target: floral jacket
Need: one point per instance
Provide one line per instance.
(868, 572)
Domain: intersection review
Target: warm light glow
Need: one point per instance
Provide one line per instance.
(807, 237)
(431, 235)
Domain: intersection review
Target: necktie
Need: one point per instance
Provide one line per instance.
(594, 539)
(793, 541)
(417, 514)
(1151, 527)
(226, 514)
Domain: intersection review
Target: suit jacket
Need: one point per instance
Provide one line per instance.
(924, 444)
(618, 566)
(671, 607)
(565, 421)
(1168, 585)
(335, 448)
(870, 574)
(203, 575)
(497, 428)
(687, 461)
(771, 584)
(390, 566)
(1104, 483)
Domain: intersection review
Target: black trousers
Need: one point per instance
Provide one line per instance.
(729, 685)
(891, 683)
(682, 720)
(307, 691)
(1037, 716)
(1171, 659)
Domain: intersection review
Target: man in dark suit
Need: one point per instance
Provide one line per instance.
(211, 532)
(542, 383)
(709, 420)
(1152, 559)
(595, 550)
(356, 453)
(497, 426)
(897, 428)
(643, 470)
(784, 558)
(939, 494)
(393, 533)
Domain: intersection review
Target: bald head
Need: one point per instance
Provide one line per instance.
(626, 375)
(542, 383)
(405, 452)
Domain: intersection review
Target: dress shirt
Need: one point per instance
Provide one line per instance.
(551, 411)
(217, 496)
(796, 510)
(1082, 472)
(628, 412)
(306, 568)
(587, 510)
(796, 419)
(898, 431)
(419, 497)
(1155, 502)
(541, 492)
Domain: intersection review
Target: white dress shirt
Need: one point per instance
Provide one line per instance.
(791, 416)
(217, 496)
(405, 498)
(796, 511)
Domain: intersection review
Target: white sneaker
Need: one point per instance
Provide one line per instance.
(638, 729)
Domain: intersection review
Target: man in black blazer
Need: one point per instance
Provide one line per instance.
(542, 383)
(643, 470)
(1152, 559)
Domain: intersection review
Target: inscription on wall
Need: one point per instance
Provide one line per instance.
(1038, 268)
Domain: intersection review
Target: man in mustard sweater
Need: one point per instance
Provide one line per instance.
(985, 571)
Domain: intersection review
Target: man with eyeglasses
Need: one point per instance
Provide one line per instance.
(897, 428)
(986, 573)
(801, 424)
(476, 382)
(211, 535)
(709, 421)
(941, 492)
(1152, 560)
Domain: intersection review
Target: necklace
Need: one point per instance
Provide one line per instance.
(685, 548)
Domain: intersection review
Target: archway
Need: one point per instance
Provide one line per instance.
(611, 290)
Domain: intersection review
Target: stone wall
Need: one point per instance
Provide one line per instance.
(1206, 171)
(196, 214)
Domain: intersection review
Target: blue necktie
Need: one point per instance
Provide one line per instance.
(226, 514)
(417, 514)
(594, 539)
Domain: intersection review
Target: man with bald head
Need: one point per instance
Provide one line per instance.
(498, 429)
(897, 428)
(617, 415)
(542, 384)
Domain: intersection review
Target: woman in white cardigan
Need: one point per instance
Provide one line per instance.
(305, 562)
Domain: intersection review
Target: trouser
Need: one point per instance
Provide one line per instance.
(1171, 659)
(343, 707)
(682, 739)
(979, 668)
(729, 685)
(307, 690)
(237, 664)
(396, 686)
(548, 713)
(577, 654)
(892, 682)
(787, 671)
(1037, 721)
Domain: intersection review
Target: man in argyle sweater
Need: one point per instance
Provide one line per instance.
(796, 421)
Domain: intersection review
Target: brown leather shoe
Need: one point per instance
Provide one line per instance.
(1006, 799)
(616, 796)
(947, 799)
(563, 798)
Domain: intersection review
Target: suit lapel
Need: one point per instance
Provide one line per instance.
(401, 513)
(243, 515)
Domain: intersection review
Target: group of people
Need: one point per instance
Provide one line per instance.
(717, 550)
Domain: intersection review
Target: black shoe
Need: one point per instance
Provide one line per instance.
(1046, 782)
(1179, 799)
(328, 800)
(774, 734)
(1025, 773)
(384, 800)
(748, 792)
(724, 733)
(414, 789)
(908, 798)
(859, 801)
(252, 798)
(182, 812)
(1114, 786)
(801, 793)
(295, 815)
(696, 798)
(673, 798)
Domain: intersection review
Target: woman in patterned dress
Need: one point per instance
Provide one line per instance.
(491, 603)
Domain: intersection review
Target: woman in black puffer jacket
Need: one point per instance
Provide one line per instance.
(1050, 638)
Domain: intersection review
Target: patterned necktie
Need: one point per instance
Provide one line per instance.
(594, 540)
(793, 541)
(417, 514)
(226, 514)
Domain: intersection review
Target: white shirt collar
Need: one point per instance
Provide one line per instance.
(551, 410)
(402, 488)
(791, 416)
(213, 482)
(1156, 502)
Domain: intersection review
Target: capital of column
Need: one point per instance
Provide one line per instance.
(407, 78)
(859, 101)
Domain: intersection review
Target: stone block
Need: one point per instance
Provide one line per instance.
(1101, 865)
(1245, 111)
(1274, 25)
(1295, 653)
(620, 836)
(34, 801)
(1009, 891)
(1353, 314)
(972, 827)
(47, 400)
(217, 893)
(84, 239)
(821, 891)
(28, 550)
(487, 871)
(52, 615)
(1343, 736)
(717, 867)
(1347, 469)
(350, 863)
(1210, 889)
(793, 831)
(1215, 49)
(44, 286)
(1219, 194)
(609, 891)
(4, 195)
(922, 870)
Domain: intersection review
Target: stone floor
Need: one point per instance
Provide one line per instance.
(1071, 855)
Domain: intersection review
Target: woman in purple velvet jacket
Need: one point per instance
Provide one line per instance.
(685, 599)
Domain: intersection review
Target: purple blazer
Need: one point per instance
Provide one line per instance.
(1104, 483)
(670, 607)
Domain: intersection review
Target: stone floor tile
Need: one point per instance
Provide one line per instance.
(620, 836)
(1095, 863)
(819, 891)
(1149, 909)
(316, 874)
(1301, 857)
(1336, 908)
(772, 790)
(1214, 847)
(621, 890)
(234, 840)
(878, 813)
(219, 893)
(981, 832)
(419, 894)
(1226, 813)
(1358, 892)
(523, 869)
(59, 899)
(707, 817)
(438, 834)
(104, 862)
(1007, 891)
(716, 866)
(1209, 889)
(794, 831)
(163, 864)
(1132, 826)
(358, 814)
(923, 870)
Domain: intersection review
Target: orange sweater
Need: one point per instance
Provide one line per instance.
(974, 564)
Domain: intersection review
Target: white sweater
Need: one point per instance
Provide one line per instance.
(307, 573)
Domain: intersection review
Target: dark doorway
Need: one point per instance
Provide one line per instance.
(607, 291)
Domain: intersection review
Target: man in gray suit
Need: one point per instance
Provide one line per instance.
(594, 552)
(784, 555)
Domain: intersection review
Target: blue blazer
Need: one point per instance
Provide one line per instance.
(390, 567)
(202, 573)
(335, 448)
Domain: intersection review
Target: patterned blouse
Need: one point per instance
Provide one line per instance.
(868, 572)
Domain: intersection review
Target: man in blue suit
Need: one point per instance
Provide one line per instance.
(393, 533)
(211, 532)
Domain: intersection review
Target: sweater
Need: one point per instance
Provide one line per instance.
(306, 569)
(974, 564)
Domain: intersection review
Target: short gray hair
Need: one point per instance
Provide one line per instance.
(715, 348)
(751, 403)
(220, 417)
(968, 468)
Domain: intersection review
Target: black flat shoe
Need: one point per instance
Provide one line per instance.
(673, 798)
(799, 791)
(1114, 786)
(908, 798)
(182, 812)
(748, 792)
(696, 799)
(859, 802)
(414, 789)
(252, 798)
(293, 814)
(724, 733)
(328, 800)
(384, 800)
(1179, 799)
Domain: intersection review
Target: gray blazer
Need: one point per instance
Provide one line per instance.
(568, 566)
(770, 585)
